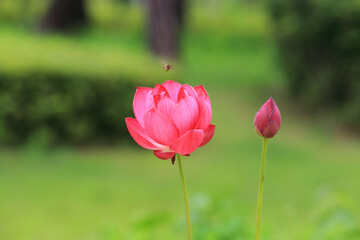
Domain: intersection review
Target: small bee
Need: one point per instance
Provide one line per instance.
(167, 67)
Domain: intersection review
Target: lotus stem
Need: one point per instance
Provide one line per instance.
(186, 197)
(261, 189)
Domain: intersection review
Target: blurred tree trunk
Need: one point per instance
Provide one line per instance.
(64, 15)
(166, 18)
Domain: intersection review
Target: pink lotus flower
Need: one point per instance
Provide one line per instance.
(171, 118)
(268, 119)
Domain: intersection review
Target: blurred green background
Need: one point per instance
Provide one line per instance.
(69, 169)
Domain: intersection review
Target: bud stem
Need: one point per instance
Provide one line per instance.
(186, 197)
(261, 189)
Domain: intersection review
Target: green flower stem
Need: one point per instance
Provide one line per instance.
(186, 197)
(261, 189)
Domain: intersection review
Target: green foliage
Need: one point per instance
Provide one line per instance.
(22, 11)
(319, 43)
(332, 219)
(63, 108)
(218, 220)
(67, 90)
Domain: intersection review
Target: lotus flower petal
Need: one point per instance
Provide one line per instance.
(139, 103)
(186, 90)
(140, 136)
(188, 142)
(200, 90)
(208, 134)
(150, 104)
(163, 155)
(159, 89)
(205, 112)
(262, 118)
(186, 114)
(270, 130)
(173, 88)
(160, 127)
(166, 106)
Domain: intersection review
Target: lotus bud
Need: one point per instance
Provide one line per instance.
(267, 120)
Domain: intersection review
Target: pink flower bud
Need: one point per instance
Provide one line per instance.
(267, 120)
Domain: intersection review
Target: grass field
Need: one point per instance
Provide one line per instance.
(124, 192)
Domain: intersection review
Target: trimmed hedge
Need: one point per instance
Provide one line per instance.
(319, 42)
(63, 108)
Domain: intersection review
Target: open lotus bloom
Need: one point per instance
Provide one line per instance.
(171, 118)
(268, 119)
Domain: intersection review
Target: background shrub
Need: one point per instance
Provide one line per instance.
(63, 108)
(68, 90)
(319, 42)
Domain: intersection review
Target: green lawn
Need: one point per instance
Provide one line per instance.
(125, 193)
